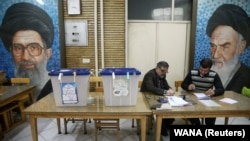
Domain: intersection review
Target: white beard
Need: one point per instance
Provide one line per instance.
(225, 72)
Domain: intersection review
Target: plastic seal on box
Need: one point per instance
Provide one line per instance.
(60, 76)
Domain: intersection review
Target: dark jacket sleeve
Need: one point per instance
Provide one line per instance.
(150, 83)
(186, 82)
(219, 89)
(46, 90)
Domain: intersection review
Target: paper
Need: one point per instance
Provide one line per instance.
(229, 100)
(69, 93)
(201, 96)
(177, 101)
(209, 103)
(164, 106)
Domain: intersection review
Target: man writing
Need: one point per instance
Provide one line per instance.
(155, 81)
(27, 32)
(205, 80)
(229, 32)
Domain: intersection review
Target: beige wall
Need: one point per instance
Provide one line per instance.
(146, 43)
(151, 42)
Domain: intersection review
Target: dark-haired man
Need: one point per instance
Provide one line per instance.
(204, 80)
(154, 81)
(27, 32)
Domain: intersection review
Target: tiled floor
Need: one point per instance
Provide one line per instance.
(47, 130)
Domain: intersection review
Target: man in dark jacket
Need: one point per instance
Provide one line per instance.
(155, 82)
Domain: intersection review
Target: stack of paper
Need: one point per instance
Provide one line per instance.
(177, 101)
(202, 96)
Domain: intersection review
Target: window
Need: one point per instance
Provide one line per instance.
(159, 10)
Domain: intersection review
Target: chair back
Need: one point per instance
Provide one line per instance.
(98, 81)
(18, 81)
(177, 84)
(139, 84)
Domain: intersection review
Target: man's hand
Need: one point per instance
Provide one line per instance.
(191, 87)
(170, 92)
(210, 92)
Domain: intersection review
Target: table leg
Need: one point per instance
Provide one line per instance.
(58, 121)
(31, 97)
(158, 128)
(143, 128)
(33, 126)
(226, 120)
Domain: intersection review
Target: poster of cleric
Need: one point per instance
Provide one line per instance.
(223, 34)
(29, 39)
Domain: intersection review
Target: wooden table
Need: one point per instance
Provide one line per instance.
(9, 95)
(240, 109)
(46, 108)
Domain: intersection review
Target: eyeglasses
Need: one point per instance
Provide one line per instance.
(34, 49)
(164, 71)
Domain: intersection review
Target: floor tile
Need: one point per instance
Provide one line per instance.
(47, 129)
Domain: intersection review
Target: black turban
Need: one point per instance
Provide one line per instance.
(26, 16)
(230, 15)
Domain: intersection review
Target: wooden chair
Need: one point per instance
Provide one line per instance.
(177, 85)
(92, 79)
(98, 83)
(18, 81)
(103, 123)
(3, 78)
(25, 100)
(66, 120)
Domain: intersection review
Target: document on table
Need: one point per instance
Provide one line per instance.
(229, 100)
(201, 96)
(209, 103)
(177, 101)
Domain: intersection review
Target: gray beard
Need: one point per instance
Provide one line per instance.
(38, 76)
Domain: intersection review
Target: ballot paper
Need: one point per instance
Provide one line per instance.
(229, 100)
(209, 103)
(202, 96)
(177, 101)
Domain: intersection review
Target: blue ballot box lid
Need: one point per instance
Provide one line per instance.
(70, 71)
(120, 71)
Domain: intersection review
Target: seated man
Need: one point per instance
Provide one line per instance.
(155, 81)
(206, 80)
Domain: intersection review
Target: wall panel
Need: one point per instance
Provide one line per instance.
(114, 35)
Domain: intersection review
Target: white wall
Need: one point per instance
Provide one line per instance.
(150, 42)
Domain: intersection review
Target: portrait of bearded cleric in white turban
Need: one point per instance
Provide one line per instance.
(229, 32)
(27, 32)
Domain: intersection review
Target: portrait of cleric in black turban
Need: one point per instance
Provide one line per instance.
(228, 32)
(27, 32)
